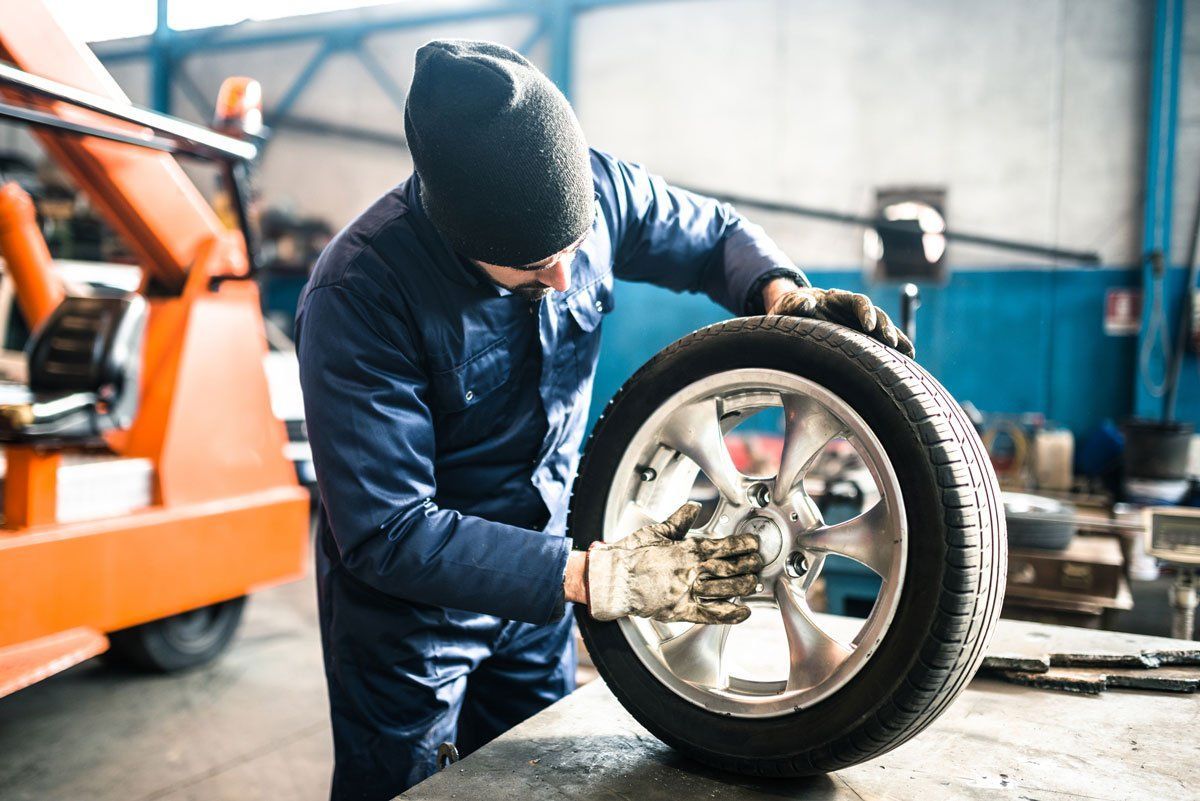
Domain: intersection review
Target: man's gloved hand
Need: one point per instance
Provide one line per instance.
(845, 308)
(658, 572)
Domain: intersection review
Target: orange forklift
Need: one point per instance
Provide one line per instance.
(146, 490)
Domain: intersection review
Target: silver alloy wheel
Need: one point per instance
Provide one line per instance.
(658, 472)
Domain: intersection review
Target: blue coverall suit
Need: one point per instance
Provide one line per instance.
(446, 416)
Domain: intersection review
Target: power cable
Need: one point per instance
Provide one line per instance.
(1156, 330)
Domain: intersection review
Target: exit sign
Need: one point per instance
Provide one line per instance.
(1122, 312)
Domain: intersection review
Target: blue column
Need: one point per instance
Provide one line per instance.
(560, 25)
(161, 60)
(1155, 334)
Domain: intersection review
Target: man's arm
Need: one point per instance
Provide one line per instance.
(373, 448)
(686, 242)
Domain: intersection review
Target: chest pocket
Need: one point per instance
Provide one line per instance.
(589, 305)
(471, 383)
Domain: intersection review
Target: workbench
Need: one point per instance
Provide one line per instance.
(998, 740)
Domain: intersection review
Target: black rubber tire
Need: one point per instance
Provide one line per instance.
(954, 580)
(178, 642)
(1050, 528)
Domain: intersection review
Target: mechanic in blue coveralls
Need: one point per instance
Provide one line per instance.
(447, 341)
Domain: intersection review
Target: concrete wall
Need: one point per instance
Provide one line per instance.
(1030, 112)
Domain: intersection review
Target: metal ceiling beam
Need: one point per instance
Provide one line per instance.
(180, 44)
(829, 215)
(230, 37)
(382, 77)
(301, 81)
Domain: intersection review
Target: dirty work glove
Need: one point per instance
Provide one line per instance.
(658, 572)
(845, 308)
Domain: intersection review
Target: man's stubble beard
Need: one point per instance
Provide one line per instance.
(533, 294)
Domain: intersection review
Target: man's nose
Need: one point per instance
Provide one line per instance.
(558, 275)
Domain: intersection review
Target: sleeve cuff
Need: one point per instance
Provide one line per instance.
(558, 604)
(754, 297)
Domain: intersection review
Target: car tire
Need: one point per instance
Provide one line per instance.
(953, 576)
(178, 642)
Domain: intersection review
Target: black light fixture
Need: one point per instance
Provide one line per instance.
(907, 241)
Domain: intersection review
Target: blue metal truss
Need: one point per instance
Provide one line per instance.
(168, 49)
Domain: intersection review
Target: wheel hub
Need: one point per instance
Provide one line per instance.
(770, 538)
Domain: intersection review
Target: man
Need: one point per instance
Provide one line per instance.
(448, 340)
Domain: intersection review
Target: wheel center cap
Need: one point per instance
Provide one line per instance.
(770, 538)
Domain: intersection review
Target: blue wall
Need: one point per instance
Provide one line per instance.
(1010, 340)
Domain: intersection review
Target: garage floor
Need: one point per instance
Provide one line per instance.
(252, 726)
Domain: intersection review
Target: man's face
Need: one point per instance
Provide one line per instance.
(535, 281)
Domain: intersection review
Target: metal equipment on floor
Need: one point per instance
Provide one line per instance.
(1174, 537)
(189, 502)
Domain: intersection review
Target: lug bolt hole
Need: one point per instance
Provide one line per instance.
(759, 495)
(796, 565)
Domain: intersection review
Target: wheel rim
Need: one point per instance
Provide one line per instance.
(685, 438)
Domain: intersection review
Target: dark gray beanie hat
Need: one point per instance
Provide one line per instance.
(502, 162)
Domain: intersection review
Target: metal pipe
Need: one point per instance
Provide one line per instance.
(1187, 308)
(1082, 256)
(237, 175)
(45, 120)
(1183, 604)
(206, 143)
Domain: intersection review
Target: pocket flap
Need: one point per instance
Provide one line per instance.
(589, 305)
(473, 380)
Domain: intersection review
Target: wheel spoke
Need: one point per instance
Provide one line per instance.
(716, 527)
(866, 539)
(633, 517)
(661, 630)
(697, 654)
(808, 428)
(814, 655)
(695, 431)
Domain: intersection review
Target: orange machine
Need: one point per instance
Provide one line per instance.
(146, 480)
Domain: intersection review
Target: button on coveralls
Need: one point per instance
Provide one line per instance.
(446, 416)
